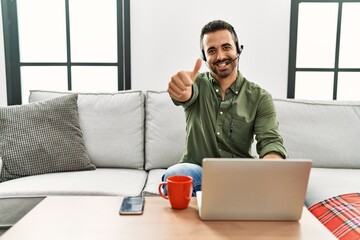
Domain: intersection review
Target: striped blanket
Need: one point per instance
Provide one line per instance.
(341, 215)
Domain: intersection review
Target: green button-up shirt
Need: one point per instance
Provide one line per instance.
(226, 128)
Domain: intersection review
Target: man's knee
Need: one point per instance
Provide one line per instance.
(188, 169)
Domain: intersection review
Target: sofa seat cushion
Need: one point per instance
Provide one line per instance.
(325, 183)
(153, 181)
(27, 191)
(102, 181)
(340, 214)
(112, 126)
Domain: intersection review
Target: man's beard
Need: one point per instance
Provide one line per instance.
(226, 72)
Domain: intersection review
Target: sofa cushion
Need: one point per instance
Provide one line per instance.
(25, 192)
(165, 131)
(324, 131)
(112, 125)
(153, 181)
(42, 137)
(329, 182)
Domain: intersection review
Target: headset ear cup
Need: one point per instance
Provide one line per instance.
(240, 48)
(203, 55)
(237, 47)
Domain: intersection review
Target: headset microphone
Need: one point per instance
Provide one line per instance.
(231, 60)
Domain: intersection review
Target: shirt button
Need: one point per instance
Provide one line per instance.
(221, 112)
(219, 149)
(218, 133)
(236, 92)
(217, 90)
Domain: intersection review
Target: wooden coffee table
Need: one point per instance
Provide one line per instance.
(85, 217)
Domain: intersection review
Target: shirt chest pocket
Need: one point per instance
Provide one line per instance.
(242, 131)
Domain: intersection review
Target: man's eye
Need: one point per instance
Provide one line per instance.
(211, 52)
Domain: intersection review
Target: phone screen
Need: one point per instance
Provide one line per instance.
(132, 205)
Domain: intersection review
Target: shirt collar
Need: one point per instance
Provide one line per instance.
(235, 87)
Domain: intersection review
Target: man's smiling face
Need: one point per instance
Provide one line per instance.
(220, 48)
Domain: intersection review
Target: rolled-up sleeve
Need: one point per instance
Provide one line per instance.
(266, 129)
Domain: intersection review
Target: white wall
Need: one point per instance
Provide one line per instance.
(165, 39)
(3, 96)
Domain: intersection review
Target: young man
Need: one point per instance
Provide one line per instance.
(223, 109)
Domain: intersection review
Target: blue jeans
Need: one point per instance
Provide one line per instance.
(188, 169)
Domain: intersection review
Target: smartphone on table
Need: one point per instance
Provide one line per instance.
(132, 205)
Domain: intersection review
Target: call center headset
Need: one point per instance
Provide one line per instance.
(238, 48)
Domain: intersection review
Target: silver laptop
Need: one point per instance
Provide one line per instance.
(253, 189)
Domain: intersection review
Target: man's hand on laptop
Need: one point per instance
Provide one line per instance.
(272, 156)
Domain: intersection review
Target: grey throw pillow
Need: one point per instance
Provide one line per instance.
(42, 137)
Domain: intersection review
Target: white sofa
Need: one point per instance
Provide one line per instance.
(328, 133)
(132, 137)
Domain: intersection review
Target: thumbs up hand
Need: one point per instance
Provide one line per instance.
(180, 85)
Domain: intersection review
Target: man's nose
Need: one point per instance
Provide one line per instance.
(220, 55)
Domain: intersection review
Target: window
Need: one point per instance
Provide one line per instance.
(79, 45)
(324, 62)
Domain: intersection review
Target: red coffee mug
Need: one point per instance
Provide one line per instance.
(179, 189)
